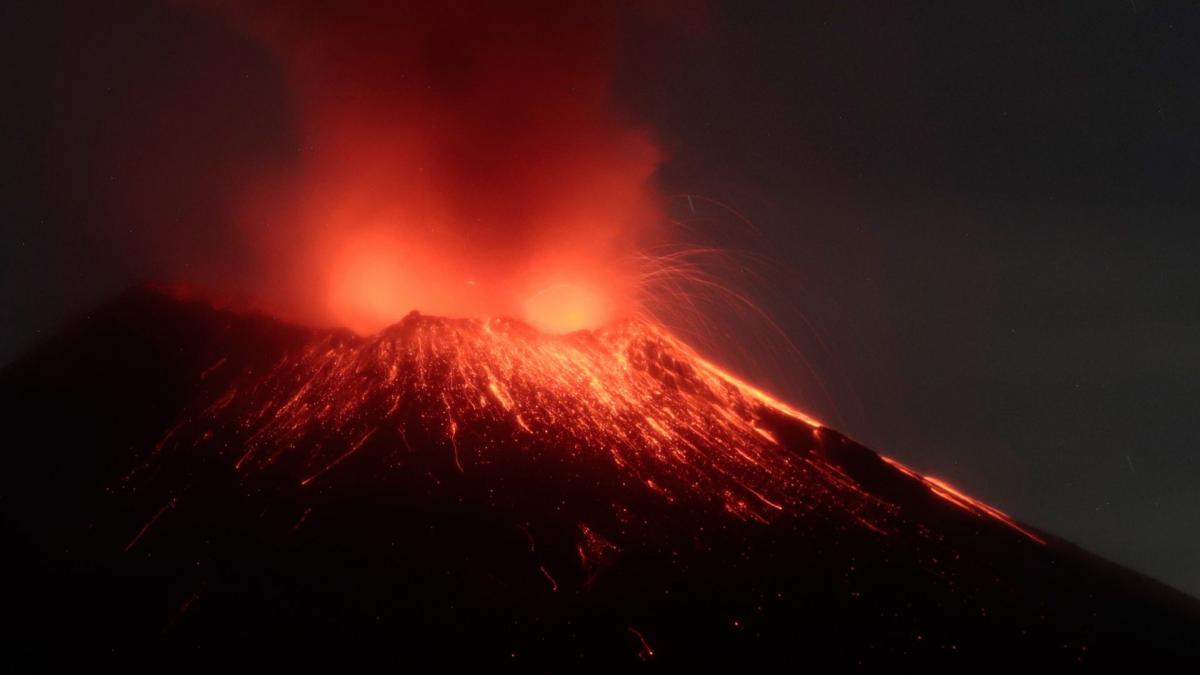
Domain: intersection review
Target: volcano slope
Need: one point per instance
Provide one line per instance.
(193, 487)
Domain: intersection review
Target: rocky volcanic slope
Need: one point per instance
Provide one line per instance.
(187, 486)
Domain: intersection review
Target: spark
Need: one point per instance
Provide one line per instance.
(153, 519)
(646, 652)
(353, 449)
(303, 517)
(553, 583)
(183, 608)
(529, 536)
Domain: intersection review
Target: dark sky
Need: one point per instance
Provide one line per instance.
(977, 221)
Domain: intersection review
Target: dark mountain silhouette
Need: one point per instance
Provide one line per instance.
(193, 487)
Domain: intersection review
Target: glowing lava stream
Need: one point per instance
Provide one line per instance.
(630, 394)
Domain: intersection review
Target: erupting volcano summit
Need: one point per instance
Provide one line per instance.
(199, 483)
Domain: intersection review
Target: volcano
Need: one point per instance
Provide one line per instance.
(191, 486)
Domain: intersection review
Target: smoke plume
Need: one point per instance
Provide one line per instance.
(454, 160)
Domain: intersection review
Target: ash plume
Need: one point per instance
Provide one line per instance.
(464, 161)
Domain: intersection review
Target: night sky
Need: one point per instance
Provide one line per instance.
(976, 221)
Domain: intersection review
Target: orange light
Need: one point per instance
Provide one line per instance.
(564, 308)
(366, 287)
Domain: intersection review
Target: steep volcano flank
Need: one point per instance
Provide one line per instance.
(629, 397)
(198, 482)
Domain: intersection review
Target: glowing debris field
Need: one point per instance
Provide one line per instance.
(191, 480)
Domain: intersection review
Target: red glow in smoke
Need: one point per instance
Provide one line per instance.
(464, 162)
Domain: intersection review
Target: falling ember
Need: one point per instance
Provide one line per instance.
(183, 609)
(646, 652)
(149, 523)
(549, 578)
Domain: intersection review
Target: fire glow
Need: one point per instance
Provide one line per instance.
(460, 163)
(489, 175)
